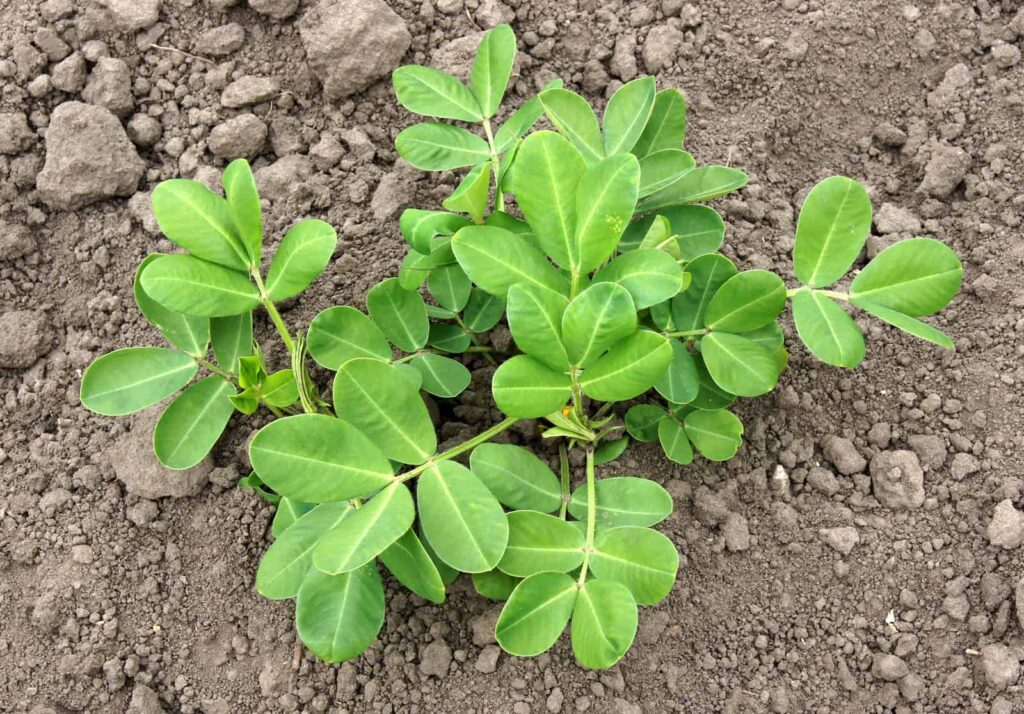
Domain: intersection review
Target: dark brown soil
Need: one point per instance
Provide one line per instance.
(110, 602)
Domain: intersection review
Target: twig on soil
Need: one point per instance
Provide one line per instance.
(168, 48)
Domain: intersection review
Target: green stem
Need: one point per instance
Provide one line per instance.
(479, 347)
(829, 293)
(476, 349)
(216, 370)
(687, 333)
(499, 196)
(460, 448)
(271, 309)
(577, 395)
(591, 515)
(563, 461)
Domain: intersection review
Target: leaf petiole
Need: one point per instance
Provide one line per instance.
(206, 364)
(591, 515)
(499, 195)
(460, 448)
(271, 309)
(563, 461)
(828, 293)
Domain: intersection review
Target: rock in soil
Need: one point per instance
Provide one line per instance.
(25, 336)
(1006, 529)
(88, 158)
(897, 480)
(15, 134)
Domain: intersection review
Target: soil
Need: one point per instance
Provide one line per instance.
(809, 582)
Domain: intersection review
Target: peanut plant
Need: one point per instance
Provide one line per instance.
(591, 243)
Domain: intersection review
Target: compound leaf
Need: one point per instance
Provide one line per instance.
(833, 225)
(746, 301)
(666, 127)
(289, 558)
(192, 286)
(535, 319)
(318, 458)
(131, 379)
(460, 518)
(188, 333)
(496, 259)
(303, 254)
(399, 313)
(680, 383)
(828, 332)
(339, 616)
(643, 560)
(906, 323)
(435, 146)
(516, 477)
(492, 68)
(442, 376)
(627, 113)
(575, 120)
(650, 275)
(244, 207)
(917, 277)
(528, 389)
(192, 423)
(200, 221)
(382, 402)
(605, 198)
(604, 623)
(623, 501)
(536, 614)
(674, 441)
(367, 531)
(341, 333)
(738, 365)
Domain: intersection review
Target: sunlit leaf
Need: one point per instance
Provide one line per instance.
(629, 369)
(244, 207)
(442, 376)
(412, 566)
(367, 531)
(192, 286)
(738, 365)
(595, 320)
(650, 275)
(746, 301)
(535, 320)
(399, 313)
(192, 423)
(623, 501)
(434, 146)
(492, 68)
(540, 543)
(906, 323)
(716, 434)
(303, 254)
(200, 221)
(536, 614)
(916, 277)
(828, 332)
(666, 127)
(516, 477)
(627, 114)
(131, 379)
(496, 259)
(430, 92)
(833, 225)
(341, 333)
(188, 333)
(643, 560)
(572, 116)
(339, 616)
(604, 622)
(288, 560)
(528, 389)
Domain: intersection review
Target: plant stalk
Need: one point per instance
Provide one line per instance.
(216, 370)
(687, 333)
(499, 196)
(275, 316)
(563, 462)
(828, 293)
(460, 448)
(591, 515)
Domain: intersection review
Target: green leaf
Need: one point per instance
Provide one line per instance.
(450, 286)
(680, 383)
(917, 277)
(608, 451)
(318, 458)
(483, 311)
(367, 531)
(434, 146)
(642, 422)
(186, 332)
(200, 221)
(605, 199)
(770, 336)
(471, 195)
(387, 407)
(288, 511)
(399, 313)
(492, 68)
(596, 319)
(131, 379)
(195, 287)
(629, 369)
(746, 301)
(662, 169)
(716, 434)
(413, 567)
(711, 396)
(303, 254)
(702, 184)
(339, 334)
(244, 207)
(739, 365)
(624, 501)
(495, 585)
(448, 574)
(449, 338)
(828, 332)
(516, 477)
(287, 561)
(192, 423)
(548, 172)
(339, 616)
(575, 120)
(442, 376)
(251, 372)
(604, 623)
(522, 120)
(496, 259)
(412, 271)
(650, 275)
(699, 230)
(232, 339)
(462, 520)
(535, 320)
(527, 389)
(674, 441)
(538, 542)
(280, 389)
(627, 114)
(420, 227)
(708, 273)
(432, 93)
(642, 559)
(906, 323)
(833, 225)
(666, 127)
(536, 614)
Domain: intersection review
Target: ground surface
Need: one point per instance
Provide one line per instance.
(118, 592)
